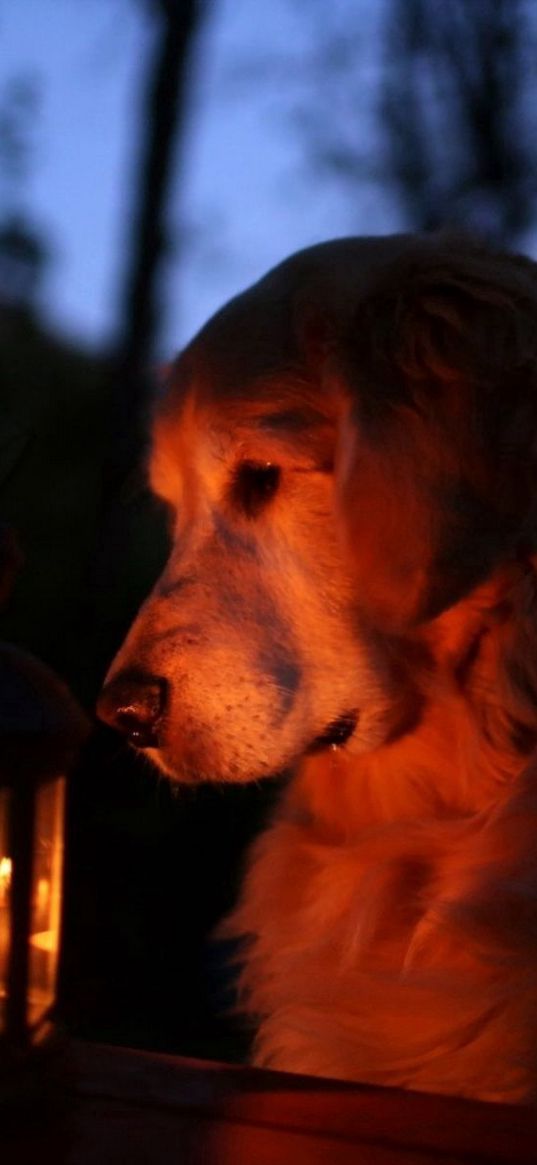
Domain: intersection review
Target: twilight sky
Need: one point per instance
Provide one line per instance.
(246, 193)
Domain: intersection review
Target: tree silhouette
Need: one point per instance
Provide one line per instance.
(23, 252)
(457, 110)
(164, 111)
(430, 101)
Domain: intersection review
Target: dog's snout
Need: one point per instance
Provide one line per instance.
(134, 704)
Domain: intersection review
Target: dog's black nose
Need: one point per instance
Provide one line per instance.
(134, 704)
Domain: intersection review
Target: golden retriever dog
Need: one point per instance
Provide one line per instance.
(348, 450)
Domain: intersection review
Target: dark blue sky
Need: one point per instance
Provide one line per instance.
(245, 194)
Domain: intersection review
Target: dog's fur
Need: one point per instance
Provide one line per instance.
(349, 453)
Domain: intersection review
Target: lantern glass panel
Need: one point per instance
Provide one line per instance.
(5, 887)
(45, 913)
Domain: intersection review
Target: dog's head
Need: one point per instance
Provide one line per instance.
(347, 451)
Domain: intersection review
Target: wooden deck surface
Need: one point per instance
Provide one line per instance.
(125, 1107)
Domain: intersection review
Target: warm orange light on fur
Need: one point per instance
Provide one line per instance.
(417, 864)
(377, 587)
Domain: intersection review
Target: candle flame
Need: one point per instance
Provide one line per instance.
(44, 940)
(6, 870)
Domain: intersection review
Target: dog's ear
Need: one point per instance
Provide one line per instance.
(437, 468)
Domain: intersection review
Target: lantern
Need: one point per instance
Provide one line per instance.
(41, 729)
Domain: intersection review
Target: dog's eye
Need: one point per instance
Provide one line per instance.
(254, 485)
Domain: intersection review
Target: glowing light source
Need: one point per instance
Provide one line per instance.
(41, 874)
(41, 728)
(6, 870)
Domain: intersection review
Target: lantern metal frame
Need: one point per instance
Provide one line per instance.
(17, 1029)
(41, 731)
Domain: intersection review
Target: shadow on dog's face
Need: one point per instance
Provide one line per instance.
(333, 483)
(252, 632)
